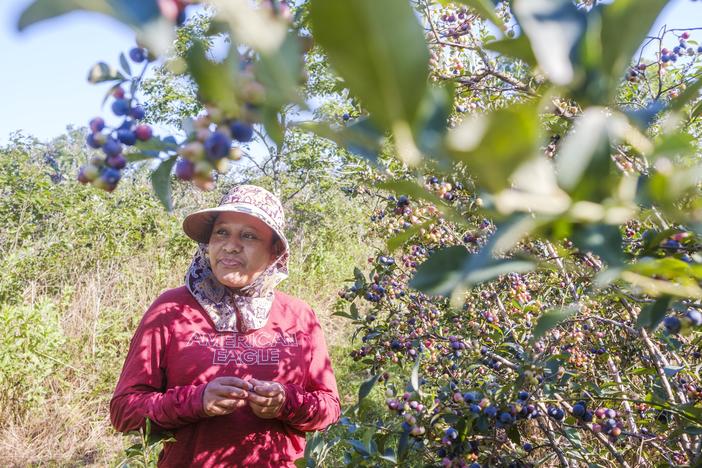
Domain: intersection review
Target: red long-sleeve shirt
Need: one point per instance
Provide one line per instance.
(176, 351)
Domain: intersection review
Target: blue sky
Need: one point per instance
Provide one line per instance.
(44, 85)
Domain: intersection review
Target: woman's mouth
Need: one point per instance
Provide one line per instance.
(230, 262)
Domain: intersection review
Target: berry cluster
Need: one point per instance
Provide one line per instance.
(104, 169)
(209, 147)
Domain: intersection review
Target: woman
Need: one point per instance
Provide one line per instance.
(235, 370)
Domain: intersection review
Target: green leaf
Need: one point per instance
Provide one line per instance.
(652, 314)
(156, 145)
(366, 387)
(442, 272)
(360, 447)
(361, 137)
(550, 319)
(135, 13)
(135, 157)
(101, 71)
(585, 147)
(379, 49)
(693, 430)
(280, 72)
(555, 29)
(402, 237)
(389, 455)
(519, 48)
(414, 378)
(216, 82)
(125, 64)
(604, 240)
(449, 268)
(161, 182)
(493, 145)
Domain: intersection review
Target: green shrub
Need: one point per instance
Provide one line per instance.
(31, 350)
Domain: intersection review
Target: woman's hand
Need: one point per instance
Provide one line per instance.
(267, 398)
(225, 394)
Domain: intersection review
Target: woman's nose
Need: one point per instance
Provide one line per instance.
(233, 245)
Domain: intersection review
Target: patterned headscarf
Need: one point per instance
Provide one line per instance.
(247, 308)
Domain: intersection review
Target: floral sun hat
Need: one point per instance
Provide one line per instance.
(248, 308)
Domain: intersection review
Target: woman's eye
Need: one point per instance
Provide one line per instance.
(249, 235)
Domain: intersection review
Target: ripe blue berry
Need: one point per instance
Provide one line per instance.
(241, 131)
(111, 176)
(217, 146)
(578, 410)
(137, 54)
(490, 411)
(528, 447)
(695, 317)
(120, 107)
(112, 147)
(346, 116)
(185, 169)
(672, 324)
(127, 137)
(117, 161)
(137, 113)
(524, 396)
(505, 418)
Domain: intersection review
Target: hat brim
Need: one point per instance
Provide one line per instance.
(198, 225)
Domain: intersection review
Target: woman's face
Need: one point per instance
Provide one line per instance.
(240, 249)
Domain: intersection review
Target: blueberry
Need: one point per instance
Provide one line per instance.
(111, 176)
(241, 131)
(90, 140)
(403, 200)
(137, 113)
(346, 116)
(452, 433)
(117, 161)
(695, 317)
(185, 169)
(127, 137)
(490, 411)
(137, 54)
(475, 409)
(578, 410)
(112, 147)
(528, 447)
(217, 146)
(524, 396)
(505, 418)
(672, 324)
(120, 107)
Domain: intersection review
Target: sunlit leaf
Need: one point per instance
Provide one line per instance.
(554, 29)
(380, 51)
(551, 319)
(493, 145)
(161, 182)
(101, 71)
(519, 48)
(651, 315)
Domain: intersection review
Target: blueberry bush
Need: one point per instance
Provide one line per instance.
(532, 167)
